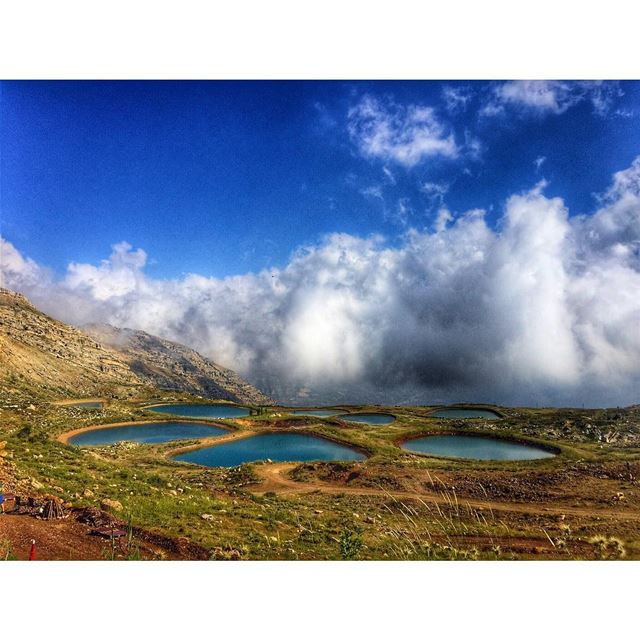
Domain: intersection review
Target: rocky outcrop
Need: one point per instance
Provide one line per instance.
(40, 352)
(172, 366)
(55, 359)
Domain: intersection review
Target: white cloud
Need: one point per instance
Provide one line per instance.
(389, 175)
(539, 161)
(373, 191)
(544, 309)
(443, 218)
(402, 134)
(16, 271)
(403, 211)
(550, 96)
(456, 98)
(435, 190)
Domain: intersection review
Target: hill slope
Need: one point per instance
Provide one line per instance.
(55, 358)
(169, 365)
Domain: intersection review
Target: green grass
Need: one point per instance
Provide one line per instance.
(169, 497)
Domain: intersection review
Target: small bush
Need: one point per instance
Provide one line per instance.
(351, 543)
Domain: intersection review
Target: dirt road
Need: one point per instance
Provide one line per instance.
(274, 478)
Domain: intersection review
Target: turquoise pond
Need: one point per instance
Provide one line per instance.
(368, 418)
(150, 433)
(279, 447)
(475, 448)
(202, 410)
(86, 405)
(318, 413)
(456, 412)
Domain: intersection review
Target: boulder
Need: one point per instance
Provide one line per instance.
(113, 505)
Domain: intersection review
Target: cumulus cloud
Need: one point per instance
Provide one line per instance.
(544, 308)
(397, 133)
(550, 96)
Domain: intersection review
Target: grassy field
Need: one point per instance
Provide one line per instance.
(583, 503)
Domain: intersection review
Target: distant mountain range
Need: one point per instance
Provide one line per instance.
(62, 360)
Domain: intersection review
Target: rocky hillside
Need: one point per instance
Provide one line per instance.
(169, 365)
(54, 358)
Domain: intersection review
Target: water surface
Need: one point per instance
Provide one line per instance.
(455, 412)
(150, 433)
(202, 410)
(368, 418)
(86, 405)
(475, 448)
(280, 447)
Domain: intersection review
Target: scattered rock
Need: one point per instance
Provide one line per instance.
(207, 516)
(114, 505)
(87, 493)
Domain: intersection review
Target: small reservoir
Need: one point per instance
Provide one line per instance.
(146, 433)
(86, 405)
(215, 411)
(368, 418)
(279, 447)
(475, 448)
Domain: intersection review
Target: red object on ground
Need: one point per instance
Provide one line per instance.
(32, 553)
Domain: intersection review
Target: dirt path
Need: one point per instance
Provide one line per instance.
(274, 478)
(203, 443)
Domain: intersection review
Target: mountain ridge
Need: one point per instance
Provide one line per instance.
(173, 366)
(60, 360)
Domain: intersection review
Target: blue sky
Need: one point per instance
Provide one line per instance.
(222, 178)
(463, 241)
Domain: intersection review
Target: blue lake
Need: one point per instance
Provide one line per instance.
(475, 448)
(368, 418)
(150, 433)
(319, 413)
(280, 447)
(455, 412)
(202, 410)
